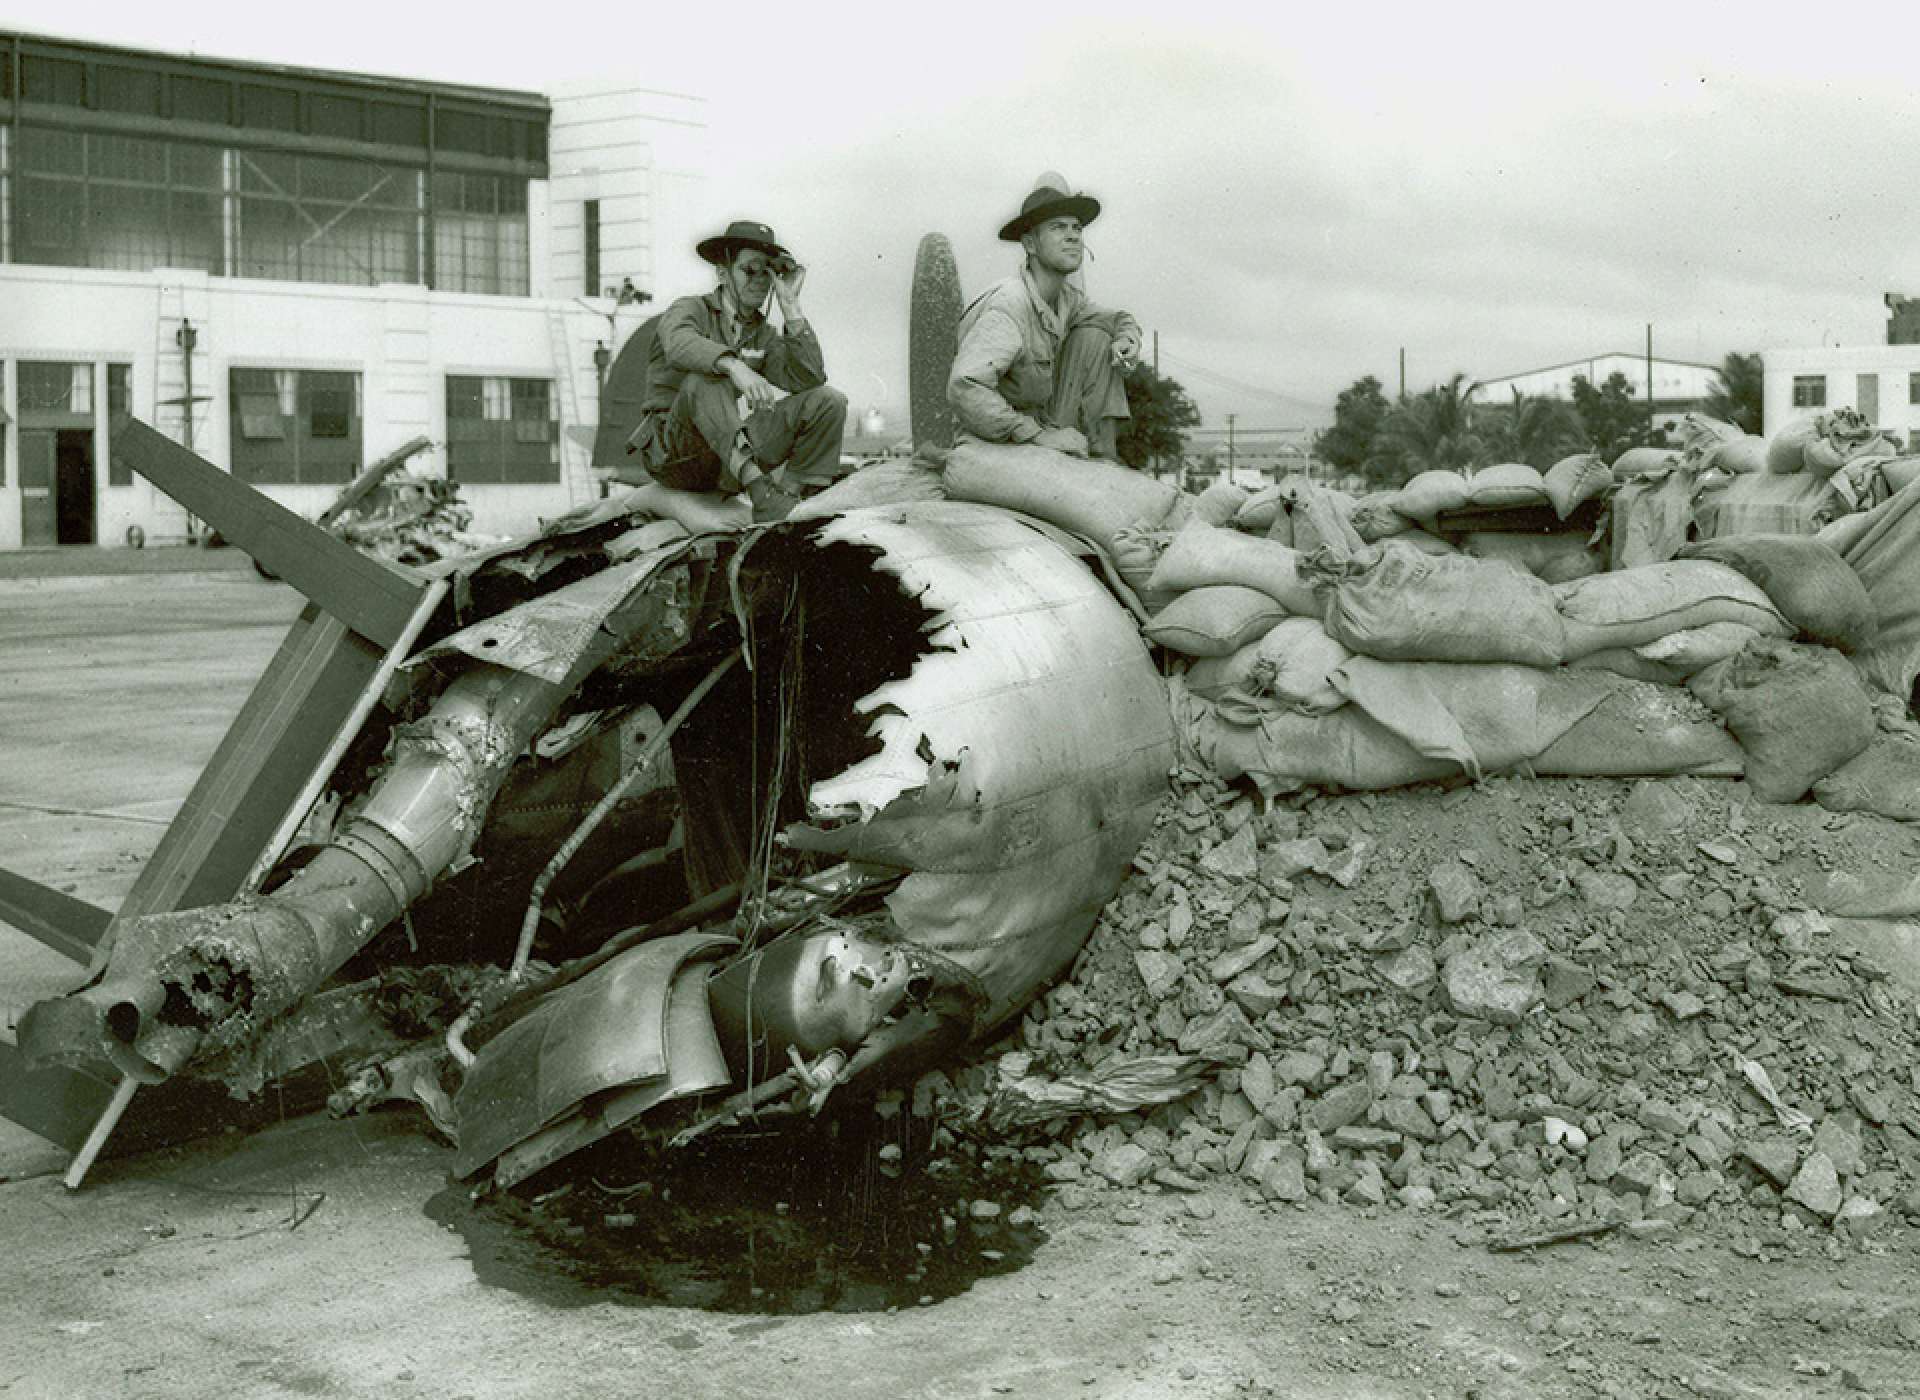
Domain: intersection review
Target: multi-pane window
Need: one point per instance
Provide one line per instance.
(1913, 387)
(1809, 391)
(480, 234)
(55, 386)
(501, 430)
(322, 219)
(96, 199)
(294, 426)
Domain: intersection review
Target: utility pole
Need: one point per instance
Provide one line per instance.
(1403, 374)
(1230, 418)
(1649, 379)
(1156, 354)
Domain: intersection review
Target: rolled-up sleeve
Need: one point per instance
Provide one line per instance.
(795, 360)
(683, 338)
(989, 348)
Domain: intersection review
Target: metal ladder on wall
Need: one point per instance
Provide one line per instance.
(171, 520)
(574, 470)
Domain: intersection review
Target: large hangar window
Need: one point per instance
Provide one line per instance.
(294, 427)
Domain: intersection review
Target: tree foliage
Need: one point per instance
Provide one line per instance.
(1738, 392)
(1613, 418)
(1357, 415)
(1432, 429)
(1160, 413)
(1536, 430)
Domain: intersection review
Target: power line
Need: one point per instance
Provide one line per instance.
(1227, 381)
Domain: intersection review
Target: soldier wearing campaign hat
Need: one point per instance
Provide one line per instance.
(1037, 361)
(730, 404)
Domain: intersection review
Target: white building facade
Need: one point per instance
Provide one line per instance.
(297, 272)
(1881, 381)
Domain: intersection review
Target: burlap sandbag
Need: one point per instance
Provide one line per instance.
(1295, 663)
(1508, 484)
(1886, 556)
(890, 481)
(1549, 558)
(1201, 555)
(1644, 461)
(1409, 606)
(1696, 648)
(1787, 449)
(1635, 606)
(1571, 481)
(1430, 493)
(1219, 503)
(1090, 498)
(1883, 778)
(1214, 621)
(1628, 662)
(1375, 519)
(1798, 711)
(1806, 580)
(1256, 513)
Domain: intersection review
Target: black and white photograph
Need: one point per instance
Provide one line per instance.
(1105, 700)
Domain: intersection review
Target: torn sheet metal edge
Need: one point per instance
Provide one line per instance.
(546, 636)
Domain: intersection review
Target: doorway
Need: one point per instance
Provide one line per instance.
(73, 486)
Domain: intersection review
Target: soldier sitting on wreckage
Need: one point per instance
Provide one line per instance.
(730, 404)
(1038, 362)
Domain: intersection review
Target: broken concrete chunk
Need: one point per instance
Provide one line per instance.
(1341, 1105)
(1774, 1158)
(1684, 1005)
(1816, 1186)
(1291, 858)
(1455, 890)
(1160, 972)
(1256, 1081)
(1606, 889)
(1604, 1158)
(1359, 1138)
(1838, 1140)
(1566, 982)
(1254, 994)
(1126, 1165)
(1299, 1067)
(1409, 970)
(1235, 961)
(1496, 977)
(1237, 857)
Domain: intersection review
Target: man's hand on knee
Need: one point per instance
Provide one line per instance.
(1126, 349)
(1063, 440)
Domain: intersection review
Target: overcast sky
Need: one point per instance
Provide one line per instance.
(1290, 198)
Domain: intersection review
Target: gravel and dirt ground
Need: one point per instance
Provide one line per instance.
(335, 1258)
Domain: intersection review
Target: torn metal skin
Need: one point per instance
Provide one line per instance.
(944, 704)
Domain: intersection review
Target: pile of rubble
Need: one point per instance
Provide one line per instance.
(1567, 1003)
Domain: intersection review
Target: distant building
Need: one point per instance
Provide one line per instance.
(1882, 382)
(1680, 387)
(297, 271)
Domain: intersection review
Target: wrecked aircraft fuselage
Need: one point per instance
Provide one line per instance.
(911, 750)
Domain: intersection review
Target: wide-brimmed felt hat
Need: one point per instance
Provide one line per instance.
(1051, 197)
(741, 233)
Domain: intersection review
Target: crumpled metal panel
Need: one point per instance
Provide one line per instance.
(1020, 761)
(546, 636)
(605, 1031)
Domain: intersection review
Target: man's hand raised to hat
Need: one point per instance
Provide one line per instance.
(751, 385)
(788, 278)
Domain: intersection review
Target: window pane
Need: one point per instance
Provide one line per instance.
(38, 150)
(119, 400)
(463, 397)
(112, 157)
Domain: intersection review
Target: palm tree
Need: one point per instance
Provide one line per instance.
(1432, 429)
(1538, 431)
(1738, 392)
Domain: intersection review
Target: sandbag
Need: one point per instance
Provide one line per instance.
(1574, 480)
(1214, 621)
(1786, 449)
(1420, 541)
(1202, 555)
(1320, 522)
(1900, 473)
(1430, 493)
(1840, 436)
(1637, 606)
(1284, 752)
(1219, 503)
(1883, 778)
(1409, 606)
(1886, 557)
(1651, 518)
(697, 512)
(1745, 455)
(890, 481)
(1508, 484)
(1806, 580)
(1481, 718)
(1696, 648)
(1644, 461)
(1798, 711)
(1643, 731)
(1256, 513)
(1375, 519)
(1631, 663)
(1295, 663)
(1086, 497)
(1549, 558)
(1843, 534)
